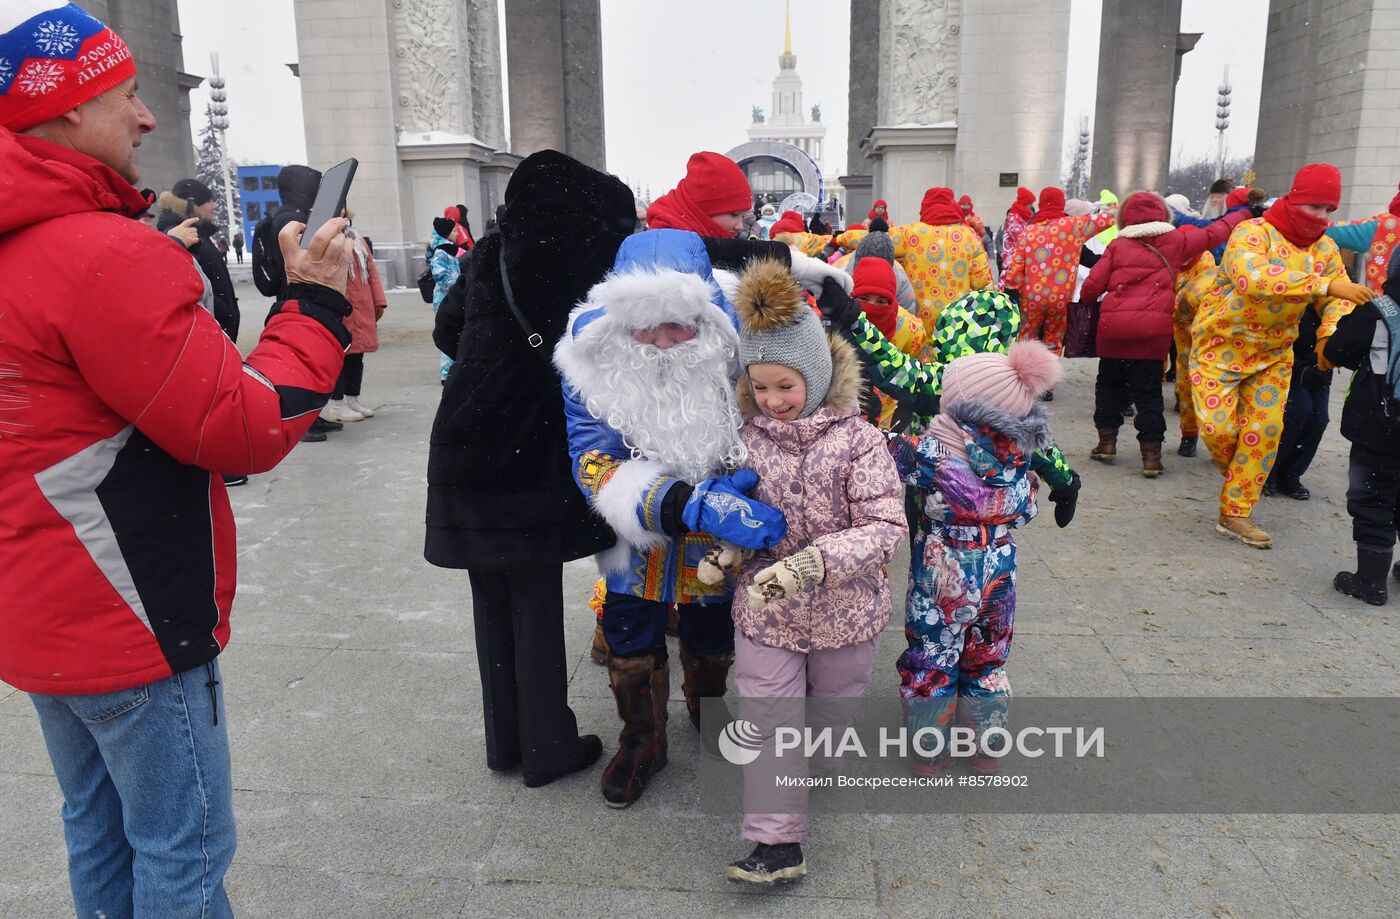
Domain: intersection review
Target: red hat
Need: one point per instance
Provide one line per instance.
(879, 202)
(1052, 205)
(874, 275)
(939, 208)
(1237, 197)
(789, 222)
(55, 57)
(1317, 184)
(965, 202)
(1024, 199)
(716, 184)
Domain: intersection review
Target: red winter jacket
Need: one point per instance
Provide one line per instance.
(121, 400)
(1138, 287)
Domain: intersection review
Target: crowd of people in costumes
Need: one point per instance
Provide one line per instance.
(713, 394)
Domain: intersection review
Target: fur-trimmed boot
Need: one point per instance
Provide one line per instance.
(1151, 459)
(641, 686)
(1368, 583)
(1107, 449)
(706, 676)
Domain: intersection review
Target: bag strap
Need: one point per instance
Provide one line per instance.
(1158, 252)
(533, 338)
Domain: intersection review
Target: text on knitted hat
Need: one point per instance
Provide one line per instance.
(54, 56)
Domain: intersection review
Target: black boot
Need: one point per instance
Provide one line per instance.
(1368, 583)
(585, 754)
(641, 686)
(1187, 447)
(767, 864)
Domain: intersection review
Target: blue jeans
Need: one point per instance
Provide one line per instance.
(147, 797)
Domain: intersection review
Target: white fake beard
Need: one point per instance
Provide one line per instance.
(674, 406)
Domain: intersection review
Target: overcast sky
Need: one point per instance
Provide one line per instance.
(680, 77)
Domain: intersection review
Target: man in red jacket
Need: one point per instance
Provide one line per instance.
(121, 400)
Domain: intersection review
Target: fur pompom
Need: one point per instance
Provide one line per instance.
(768, 297)
(1035, 365)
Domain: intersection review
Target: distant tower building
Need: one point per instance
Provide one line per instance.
(787, 120)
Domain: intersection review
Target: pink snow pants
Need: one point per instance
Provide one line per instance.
(763, 672)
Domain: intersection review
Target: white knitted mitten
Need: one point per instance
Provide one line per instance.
(800, 571)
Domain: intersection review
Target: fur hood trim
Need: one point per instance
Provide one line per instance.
(847, 382)
(1146, 230)
(169, 201)
(622, 303)
(1030, 433)
(768, 297)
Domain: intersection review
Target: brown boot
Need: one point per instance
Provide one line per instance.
(1108, 445)
(641, 686)
(706, 677)
(673, 621)
(1151, 459)
(1240, 528)
(600, 652)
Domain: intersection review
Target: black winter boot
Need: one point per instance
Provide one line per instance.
(1368, 583)
(1187, 447)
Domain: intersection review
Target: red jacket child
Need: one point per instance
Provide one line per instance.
(1138, 284)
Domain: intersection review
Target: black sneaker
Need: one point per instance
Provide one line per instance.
(323, 426)
(767, 864)
(1295, 490)
(1187, 447)
(313, 436)
(233, 481)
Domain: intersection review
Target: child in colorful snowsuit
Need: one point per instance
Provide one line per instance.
(445, 269)
(973, 467)
(1275, 266)
(808, 612)
(1368, 341)
(980, 322)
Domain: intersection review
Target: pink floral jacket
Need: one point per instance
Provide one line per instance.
(832, 476)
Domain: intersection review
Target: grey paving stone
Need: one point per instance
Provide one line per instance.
(269, 892)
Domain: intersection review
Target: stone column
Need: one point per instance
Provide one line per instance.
(862, 107)
(1329, 95)
(1010, 119)
(1137, 90)
(554, 49)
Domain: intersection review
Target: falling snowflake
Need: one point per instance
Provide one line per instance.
(56, 37)
(40, 78)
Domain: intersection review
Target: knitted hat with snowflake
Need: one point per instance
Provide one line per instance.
(53, 58)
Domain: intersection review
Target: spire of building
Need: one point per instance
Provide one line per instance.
(787, 60)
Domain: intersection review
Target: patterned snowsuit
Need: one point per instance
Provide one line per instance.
(961, 607)
(1191, 285)
(943, 263)
(979, 322)
(1045, 268)
(1377, 237)
(1242, 349)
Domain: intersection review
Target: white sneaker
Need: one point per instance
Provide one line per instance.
(353, 403)
(337, 410)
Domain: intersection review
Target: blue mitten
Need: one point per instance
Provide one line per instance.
(721, 507)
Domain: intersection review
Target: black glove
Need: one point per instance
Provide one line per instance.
(837, 306)
(1066, 500)
(1314, 378)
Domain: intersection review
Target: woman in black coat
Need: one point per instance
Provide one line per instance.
(502, 501)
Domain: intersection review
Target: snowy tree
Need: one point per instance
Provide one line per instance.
(209, 170)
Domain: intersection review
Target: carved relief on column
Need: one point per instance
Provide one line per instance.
(484, 48)
(434, 88)
(919, 61)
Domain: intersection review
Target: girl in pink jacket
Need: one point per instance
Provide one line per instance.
(809, 611)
